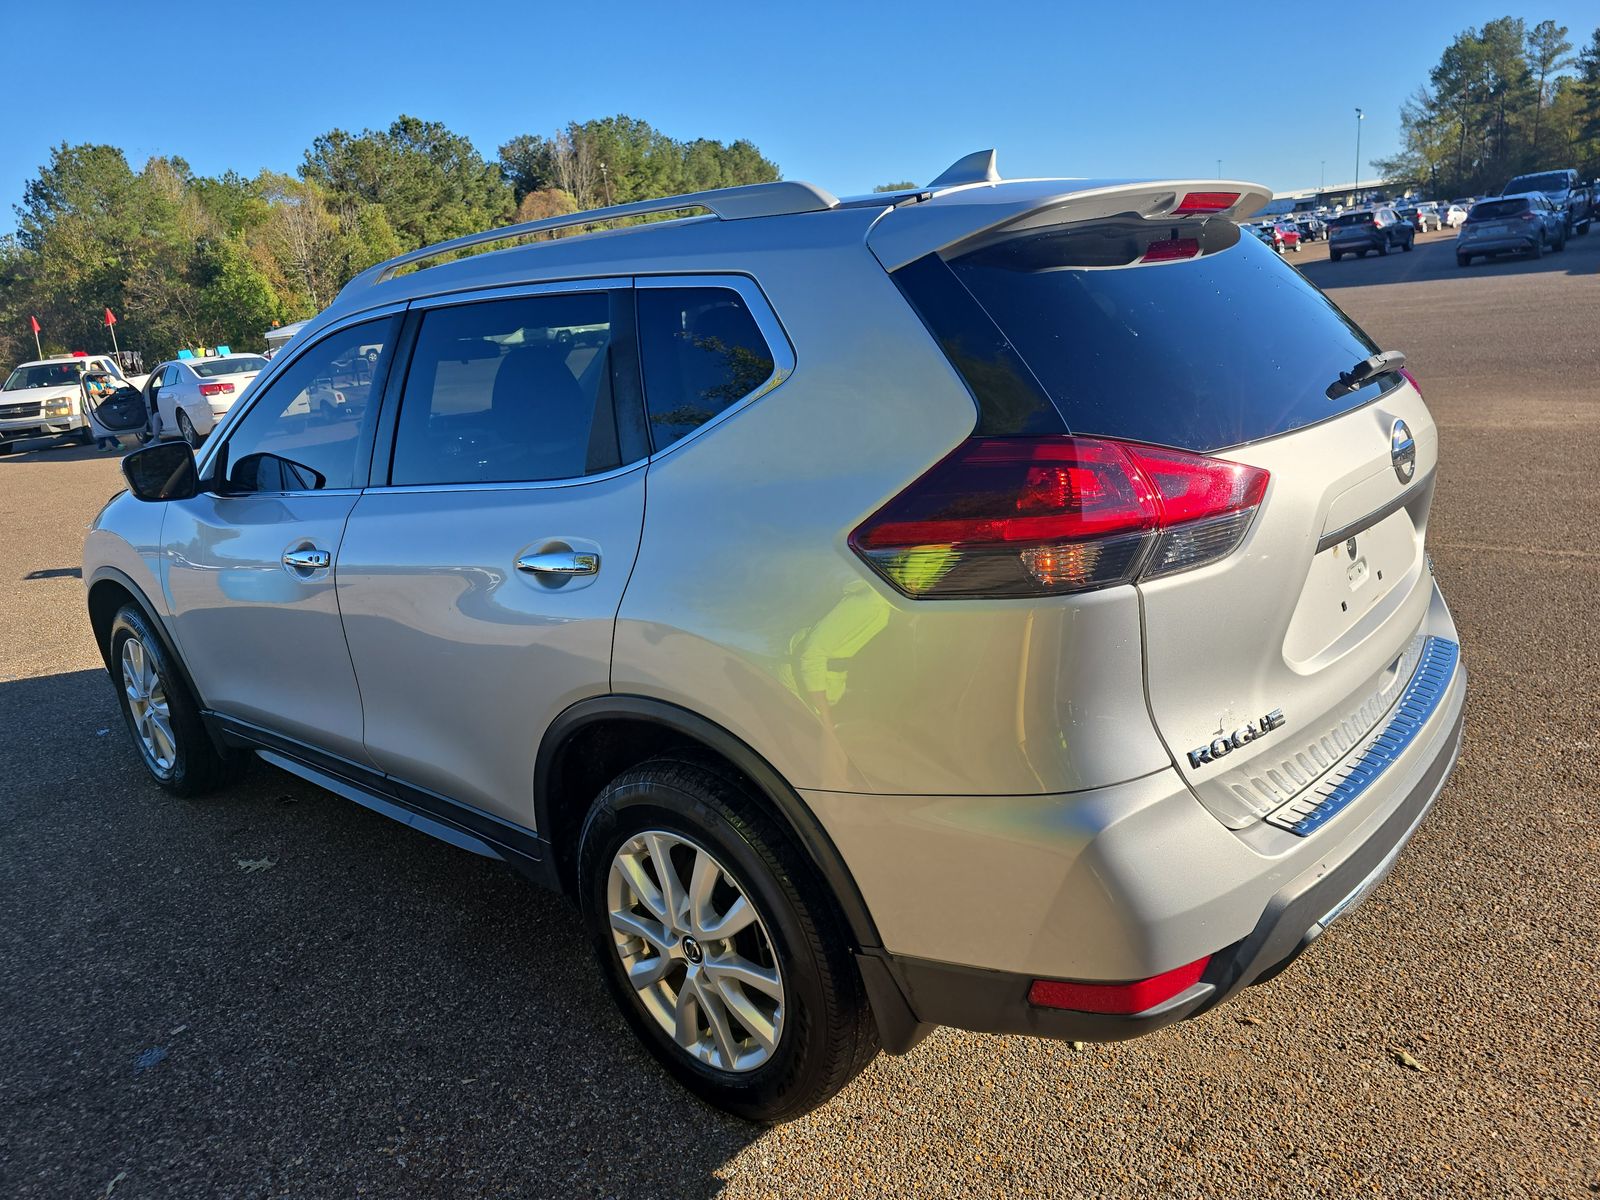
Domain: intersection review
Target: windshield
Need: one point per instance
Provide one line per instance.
(43, 375)
(237, 365)
(1170, 346)
(1488, 210)
(1549, 181)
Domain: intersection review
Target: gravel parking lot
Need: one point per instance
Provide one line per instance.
(278, 993)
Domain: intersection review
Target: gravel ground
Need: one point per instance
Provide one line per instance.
(278, 993)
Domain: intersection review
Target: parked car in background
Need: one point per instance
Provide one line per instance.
(1455, 216)
(805, 740)
(1288, 235)
(1428, 217)
(1311, 226)
(1526, 224)
(1572, 198)
(1366, 231)
(46, 397)
(188, 396)
(1266, 232)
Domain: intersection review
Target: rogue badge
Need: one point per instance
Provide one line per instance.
(1228, 743)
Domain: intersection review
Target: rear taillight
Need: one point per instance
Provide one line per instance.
(1528, 216)
(1205, 202)
(1004, 517)
(1119, 998)
(1171, 249)
(216, 389)
(1412, 380)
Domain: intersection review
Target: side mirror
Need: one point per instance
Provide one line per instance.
(165, 471)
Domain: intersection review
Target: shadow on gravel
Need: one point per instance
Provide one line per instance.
(273, 991)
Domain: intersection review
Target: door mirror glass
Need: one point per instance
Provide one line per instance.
(165, 471)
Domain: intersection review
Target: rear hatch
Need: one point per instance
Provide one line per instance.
(1272, 663)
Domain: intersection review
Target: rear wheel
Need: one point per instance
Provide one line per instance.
(1334, 256)
(186, 430)
(1408, 243)
(1538, 248)
(162, 715)
(719, 943)
(1463, 260)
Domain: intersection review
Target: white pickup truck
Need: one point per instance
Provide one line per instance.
(45, 398)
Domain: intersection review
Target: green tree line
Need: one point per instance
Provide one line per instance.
(1503, 100)
(190, 260)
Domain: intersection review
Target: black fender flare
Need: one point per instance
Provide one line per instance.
(808, 831)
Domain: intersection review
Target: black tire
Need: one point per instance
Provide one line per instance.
(1409, 242)
(8, 445)
(827, 1035)
(1538, 248)
(197, 766)
(1334, 256)
(84, 436)
(186, 430)
(1463, 260)
(1383, 248)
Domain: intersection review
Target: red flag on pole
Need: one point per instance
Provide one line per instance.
(34, 321)
(110, 317)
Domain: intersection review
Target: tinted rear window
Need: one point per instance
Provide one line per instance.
(1549, 181)
(1352, 219)
(1204, 352)
(239, 365)
(1489, 210)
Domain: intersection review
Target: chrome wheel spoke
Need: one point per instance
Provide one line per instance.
(700, 974)
(717, 1017)
(747, 974)
(652, 932)
(161, 730)
(737, 918)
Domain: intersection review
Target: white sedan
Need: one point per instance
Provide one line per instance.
(1455, 216)
(188, 396)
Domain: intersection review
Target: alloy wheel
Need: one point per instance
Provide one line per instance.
(696, 951)
(147, 705)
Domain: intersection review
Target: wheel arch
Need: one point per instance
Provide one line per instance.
(597, 739)
(109, 590)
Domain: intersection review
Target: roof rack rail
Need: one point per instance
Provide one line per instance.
(785, 196)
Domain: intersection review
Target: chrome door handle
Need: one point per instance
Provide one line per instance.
(307, 560)
(561, 563)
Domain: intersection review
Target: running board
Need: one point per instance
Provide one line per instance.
(378, 804)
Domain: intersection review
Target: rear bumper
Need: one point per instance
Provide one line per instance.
(1143, 895)
(1353, 245)
(1521, 244)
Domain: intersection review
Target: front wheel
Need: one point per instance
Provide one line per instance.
(1408, 243)
(1383, 248)
(720, 943)
(161, 714)
(1334, 256)
(1538, 249)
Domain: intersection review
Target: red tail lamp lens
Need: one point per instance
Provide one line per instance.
(1171, 249)
(1004, 517)
(215, 389)
(1205, 202)
(1117, 998)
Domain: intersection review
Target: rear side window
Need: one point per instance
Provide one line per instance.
(1185, 334)
(510, 391)
(702, 352)
(1489, 210)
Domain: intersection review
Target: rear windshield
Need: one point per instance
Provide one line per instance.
(1549, 181)
(1362, 218)
(238, 365)
(1488, 210)
(1183, 334)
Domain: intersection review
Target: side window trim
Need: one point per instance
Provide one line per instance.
(627, 399)
(760, 309)
(263, 382)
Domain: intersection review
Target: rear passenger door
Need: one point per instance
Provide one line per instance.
(481, 572)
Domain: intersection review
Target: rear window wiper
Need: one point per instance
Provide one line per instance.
(1366, 370)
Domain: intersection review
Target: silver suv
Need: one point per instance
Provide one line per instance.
(942, 607)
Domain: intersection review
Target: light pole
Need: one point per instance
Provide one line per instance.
(1324, 186)
(1219, 168)
(1360, 117)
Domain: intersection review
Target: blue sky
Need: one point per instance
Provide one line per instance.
(844, 94)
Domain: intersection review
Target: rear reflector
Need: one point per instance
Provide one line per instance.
(1205, 202)
(1117, 998)
(1007, 517)
(1171, 249)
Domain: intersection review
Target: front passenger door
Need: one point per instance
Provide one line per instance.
(249, 562)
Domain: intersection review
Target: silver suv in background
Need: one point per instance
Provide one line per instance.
(1369, 230)
(1526, 224)
(939, 607)
(1570, 197)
